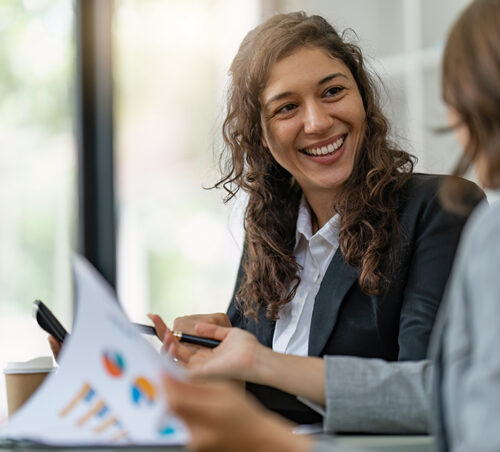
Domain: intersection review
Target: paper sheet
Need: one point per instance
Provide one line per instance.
(108, 389)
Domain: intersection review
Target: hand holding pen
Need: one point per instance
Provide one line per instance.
(172, 345)
(237, 357)
(183, 328)
(233, 358)
(179, 335)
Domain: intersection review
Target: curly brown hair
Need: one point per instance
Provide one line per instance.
(471, 86)
(367, 201)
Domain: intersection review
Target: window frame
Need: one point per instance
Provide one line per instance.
(94, 135)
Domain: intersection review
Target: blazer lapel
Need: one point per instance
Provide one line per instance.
(265, 329)
(338, 278)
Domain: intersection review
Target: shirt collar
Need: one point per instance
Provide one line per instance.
(329, 231)
(303, 221)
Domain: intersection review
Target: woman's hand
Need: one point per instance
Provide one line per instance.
(187, 323)
(236, 357)
(241, 356)
(221, 419)
(171, 345)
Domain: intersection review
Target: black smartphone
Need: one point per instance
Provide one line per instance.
(48, 321)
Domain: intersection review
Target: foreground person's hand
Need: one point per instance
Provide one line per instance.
(235, 358)
(240, 356)
(221, 419)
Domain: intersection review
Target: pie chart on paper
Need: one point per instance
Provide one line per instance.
(143, 392)
(113, 363)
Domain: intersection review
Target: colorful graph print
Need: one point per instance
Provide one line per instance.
(170, 426)
(113, 363)
(85, 394)
(143, 392)
(87, 410)
(167, 430)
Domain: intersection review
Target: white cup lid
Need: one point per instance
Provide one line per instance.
(33, 366)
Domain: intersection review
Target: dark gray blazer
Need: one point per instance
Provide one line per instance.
(393, 326)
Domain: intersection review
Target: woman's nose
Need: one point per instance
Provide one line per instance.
(316, 118)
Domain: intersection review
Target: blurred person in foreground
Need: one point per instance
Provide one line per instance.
(464, 347)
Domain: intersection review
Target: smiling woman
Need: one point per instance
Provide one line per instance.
(313, 123)
(347, 252)
(314, 91)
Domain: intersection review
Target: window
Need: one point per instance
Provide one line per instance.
(38, 171)
(178, 245)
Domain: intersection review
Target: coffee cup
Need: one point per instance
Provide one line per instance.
(23, 378)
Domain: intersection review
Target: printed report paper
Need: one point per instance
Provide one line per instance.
(108, 388)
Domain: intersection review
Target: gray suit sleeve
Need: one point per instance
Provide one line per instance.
(373, 395)
(472, 363)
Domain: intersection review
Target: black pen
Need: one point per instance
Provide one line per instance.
(196, 340)
(183, 337)
(147, 329)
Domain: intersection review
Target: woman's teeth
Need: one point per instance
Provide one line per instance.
(324, 150)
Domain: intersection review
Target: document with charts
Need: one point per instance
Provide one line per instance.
(108, 388)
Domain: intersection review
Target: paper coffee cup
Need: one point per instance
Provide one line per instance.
(23, 378)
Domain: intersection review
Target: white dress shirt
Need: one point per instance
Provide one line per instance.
(313, 253)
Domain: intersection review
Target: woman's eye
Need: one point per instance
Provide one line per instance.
(333, 91)
(286, 108)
